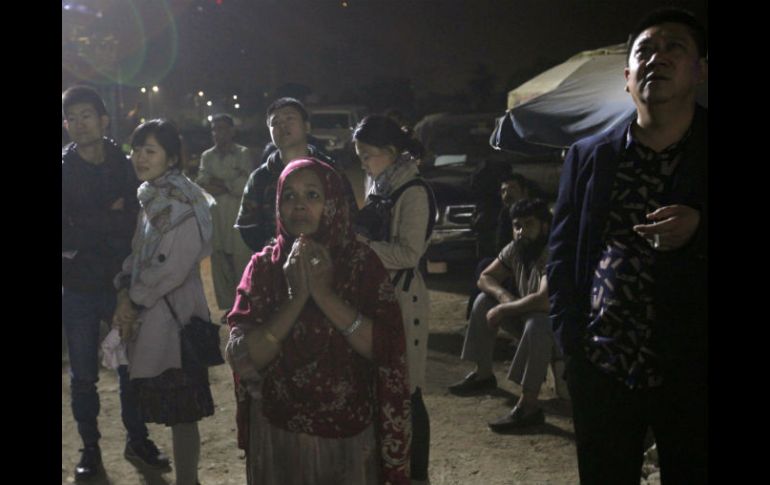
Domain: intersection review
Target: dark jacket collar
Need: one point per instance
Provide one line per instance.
(112, 152)
(275, 164)
(616, 137)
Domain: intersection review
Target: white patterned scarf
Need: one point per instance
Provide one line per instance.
(383, 182)
(156, 198)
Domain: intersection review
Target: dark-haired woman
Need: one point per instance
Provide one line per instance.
(159, 278)
(317, 347)
(389, 155)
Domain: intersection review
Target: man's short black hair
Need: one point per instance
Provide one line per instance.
(284, 102)
(531, 207)
(516, 177)
(673, 15)
(82, 94)
(223, 117)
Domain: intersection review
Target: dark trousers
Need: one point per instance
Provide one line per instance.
(420, 437)
(611, 421)
(81, 314)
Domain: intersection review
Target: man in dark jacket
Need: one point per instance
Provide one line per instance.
(289, 128)
(99, 211)
(628, 266)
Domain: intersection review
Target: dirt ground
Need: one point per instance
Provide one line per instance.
(463, 450)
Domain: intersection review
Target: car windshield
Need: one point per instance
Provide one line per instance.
(329, 121)
(461, 141)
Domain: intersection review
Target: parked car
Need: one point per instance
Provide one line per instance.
(465, 172)
(333, 126)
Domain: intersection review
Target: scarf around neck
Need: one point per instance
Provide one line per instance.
(384, 182)
(163, 201)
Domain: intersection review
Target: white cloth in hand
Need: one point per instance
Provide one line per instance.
(113, 350)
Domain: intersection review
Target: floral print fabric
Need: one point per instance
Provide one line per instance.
(318, 384)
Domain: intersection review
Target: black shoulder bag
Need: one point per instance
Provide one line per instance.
(198, 342)
(373, 222)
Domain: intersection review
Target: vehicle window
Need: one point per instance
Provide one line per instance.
(459, 139)
(442, 160)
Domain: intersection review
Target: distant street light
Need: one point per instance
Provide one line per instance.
(237, 105)
(208, 103)
(235, 96)
(155, 90)
(200, 93)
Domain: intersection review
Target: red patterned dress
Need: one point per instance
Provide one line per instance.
(320, 412)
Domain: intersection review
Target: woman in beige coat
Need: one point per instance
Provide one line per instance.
(159, 287)
(399, 233)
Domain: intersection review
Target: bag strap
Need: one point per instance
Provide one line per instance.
(431, 201)
(173, 313)
(408, 273)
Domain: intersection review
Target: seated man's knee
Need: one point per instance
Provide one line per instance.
(483, 304)
(538, 323)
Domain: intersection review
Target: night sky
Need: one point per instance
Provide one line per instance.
(252, 47)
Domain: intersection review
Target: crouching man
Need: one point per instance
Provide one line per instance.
(524, 314)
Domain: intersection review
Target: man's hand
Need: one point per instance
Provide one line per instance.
(505, 296)
(495, 317)
(673, 227)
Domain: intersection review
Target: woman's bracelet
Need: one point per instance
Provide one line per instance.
(347, 332)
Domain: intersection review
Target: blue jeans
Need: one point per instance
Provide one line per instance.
(81, 314)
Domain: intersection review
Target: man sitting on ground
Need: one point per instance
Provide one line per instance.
(523, 260)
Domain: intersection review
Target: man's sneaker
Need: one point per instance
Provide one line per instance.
(145, 453)
(516, 420)
(90, 463)
(472, 385)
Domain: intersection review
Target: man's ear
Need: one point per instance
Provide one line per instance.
(626, 73)
(703, 68)
(104, 120)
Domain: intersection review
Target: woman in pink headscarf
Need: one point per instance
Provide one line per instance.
(317, 347)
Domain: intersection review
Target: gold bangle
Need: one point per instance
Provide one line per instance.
(271, 338)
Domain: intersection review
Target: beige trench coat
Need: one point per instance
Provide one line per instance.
(409, 221)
